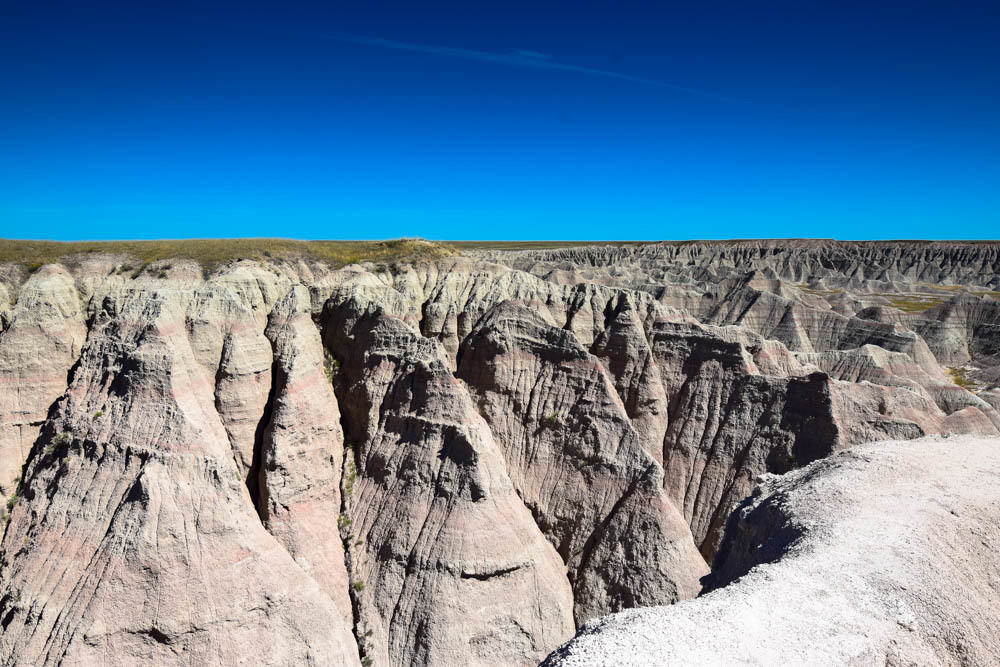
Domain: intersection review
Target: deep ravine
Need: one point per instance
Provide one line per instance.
(442, 462)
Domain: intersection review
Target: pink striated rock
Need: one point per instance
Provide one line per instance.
(302, 452)
(448, 566)
(132, 540)
(579, 464)
(38, 345)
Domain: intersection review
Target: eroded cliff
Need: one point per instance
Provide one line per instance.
(441, 461)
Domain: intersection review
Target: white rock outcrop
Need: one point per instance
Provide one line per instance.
(882, 554)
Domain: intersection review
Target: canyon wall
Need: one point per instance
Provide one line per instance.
(458, 460)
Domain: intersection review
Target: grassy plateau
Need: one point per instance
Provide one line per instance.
(213, 252)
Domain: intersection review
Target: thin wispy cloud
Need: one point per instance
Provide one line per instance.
(520, 58)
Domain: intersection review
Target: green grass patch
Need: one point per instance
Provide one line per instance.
(210, 253)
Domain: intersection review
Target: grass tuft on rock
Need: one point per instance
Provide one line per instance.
(960, 376)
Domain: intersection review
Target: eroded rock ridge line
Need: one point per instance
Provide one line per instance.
(455, 461)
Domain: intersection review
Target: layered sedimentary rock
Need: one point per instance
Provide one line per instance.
(837, 264)
(730, 422)
(806, 328)
(227, 337)
(383, 463)
(301, 452)
(961, 329)
(886, 394)
(624, 352)
(579, 464)
(791, 289)
(42, 335)
(448, 565)
(884, 554)
(133, 540)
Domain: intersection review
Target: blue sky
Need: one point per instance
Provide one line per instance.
(612, 120)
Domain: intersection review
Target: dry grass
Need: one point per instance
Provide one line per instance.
(213, 252)
(819, 292)
(914, 304)
(960, 376)
(538, 245)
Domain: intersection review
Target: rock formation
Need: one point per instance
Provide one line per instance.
(883, 554)
(453, 460)
(579, 464)
(300, 456)
(448, 565)
(42, 336)
(133, 539)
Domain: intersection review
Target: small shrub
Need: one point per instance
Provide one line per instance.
(552, 419)
(34, 266)
(351, 476)
(583, 464)
(98, 414)
(330, 366)
(343, 521)
(358, 585)
(366, 662)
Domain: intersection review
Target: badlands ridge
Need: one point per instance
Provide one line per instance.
(465, 458)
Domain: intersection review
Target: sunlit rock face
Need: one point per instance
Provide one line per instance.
(456, 461)
(881, 554)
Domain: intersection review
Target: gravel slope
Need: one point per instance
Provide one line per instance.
(882, 554)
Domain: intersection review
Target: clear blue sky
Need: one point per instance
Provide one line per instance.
(506, 120)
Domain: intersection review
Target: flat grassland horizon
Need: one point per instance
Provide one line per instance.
(210, 253)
